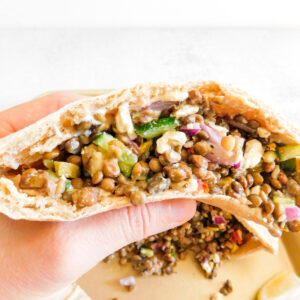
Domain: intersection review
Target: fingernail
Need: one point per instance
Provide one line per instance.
(181, 210)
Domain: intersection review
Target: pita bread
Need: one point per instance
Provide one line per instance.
(29, 144)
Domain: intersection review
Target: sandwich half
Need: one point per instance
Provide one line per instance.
(200, 140)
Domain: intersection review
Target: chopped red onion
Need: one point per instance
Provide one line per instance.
(218, 154)
(219, 220)
(292, 213)
(136, 142)
(155, 247)
(203, 259)
(237, 165)
(192, 131)
(214, 136)
(127, 281)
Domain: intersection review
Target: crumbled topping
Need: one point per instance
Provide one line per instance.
(263, 133)
(185, 110)
(124, 122)
(163, 143)
(253, 153)
(174, 96)
(220, 129)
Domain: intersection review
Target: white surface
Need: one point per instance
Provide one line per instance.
(70, 13)
(61, 13)
(263, 62)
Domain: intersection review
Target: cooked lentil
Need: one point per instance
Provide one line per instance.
(237, 187)
(199, 161)
(83, 139)
(51, 155)
(74, 159)
(77, 183)
(257, 178)
(294, 226)
(275, 183)
(226, 288)
(266, 188)
(250, 180)
(108, 184)
(138, 197)
(87, 196)
(202, 148)
(269, 207)
(175, 174)
(111, 168)
(97, 177)
(255, 200)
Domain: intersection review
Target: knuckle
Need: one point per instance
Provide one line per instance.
(139, 222)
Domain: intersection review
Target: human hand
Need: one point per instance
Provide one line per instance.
(40, 259)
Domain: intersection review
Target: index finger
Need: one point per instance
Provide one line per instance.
(20, 116)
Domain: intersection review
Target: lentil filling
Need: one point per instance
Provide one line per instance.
(212, 235)
(182, 146)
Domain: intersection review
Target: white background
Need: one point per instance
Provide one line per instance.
(103, 13)
(265, 62)
(94, 44)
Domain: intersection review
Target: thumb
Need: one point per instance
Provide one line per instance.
(98, 236)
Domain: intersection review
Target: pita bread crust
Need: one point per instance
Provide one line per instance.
(261, 237)
(28, 145)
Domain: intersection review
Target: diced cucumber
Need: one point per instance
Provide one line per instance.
(284, 200)
(68, 185)
(156, 128)
(127, 162)
(291, 165)
(48, 163)
(103, 140)
(269, 156)
(288, 151)
(143, 177)
(66, 169)
(127, 159)
(146, 252)
(53, 174)
(126, 169)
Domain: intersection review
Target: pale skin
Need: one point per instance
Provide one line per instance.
(40, 259)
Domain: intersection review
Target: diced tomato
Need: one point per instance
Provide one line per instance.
(191, 150)
(203, 186)
(236, 237)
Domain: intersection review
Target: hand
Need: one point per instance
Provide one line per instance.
(40, 259)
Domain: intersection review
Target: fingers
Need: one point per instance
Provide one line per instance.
(94, 238)
(22, 115)
(58, 253)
